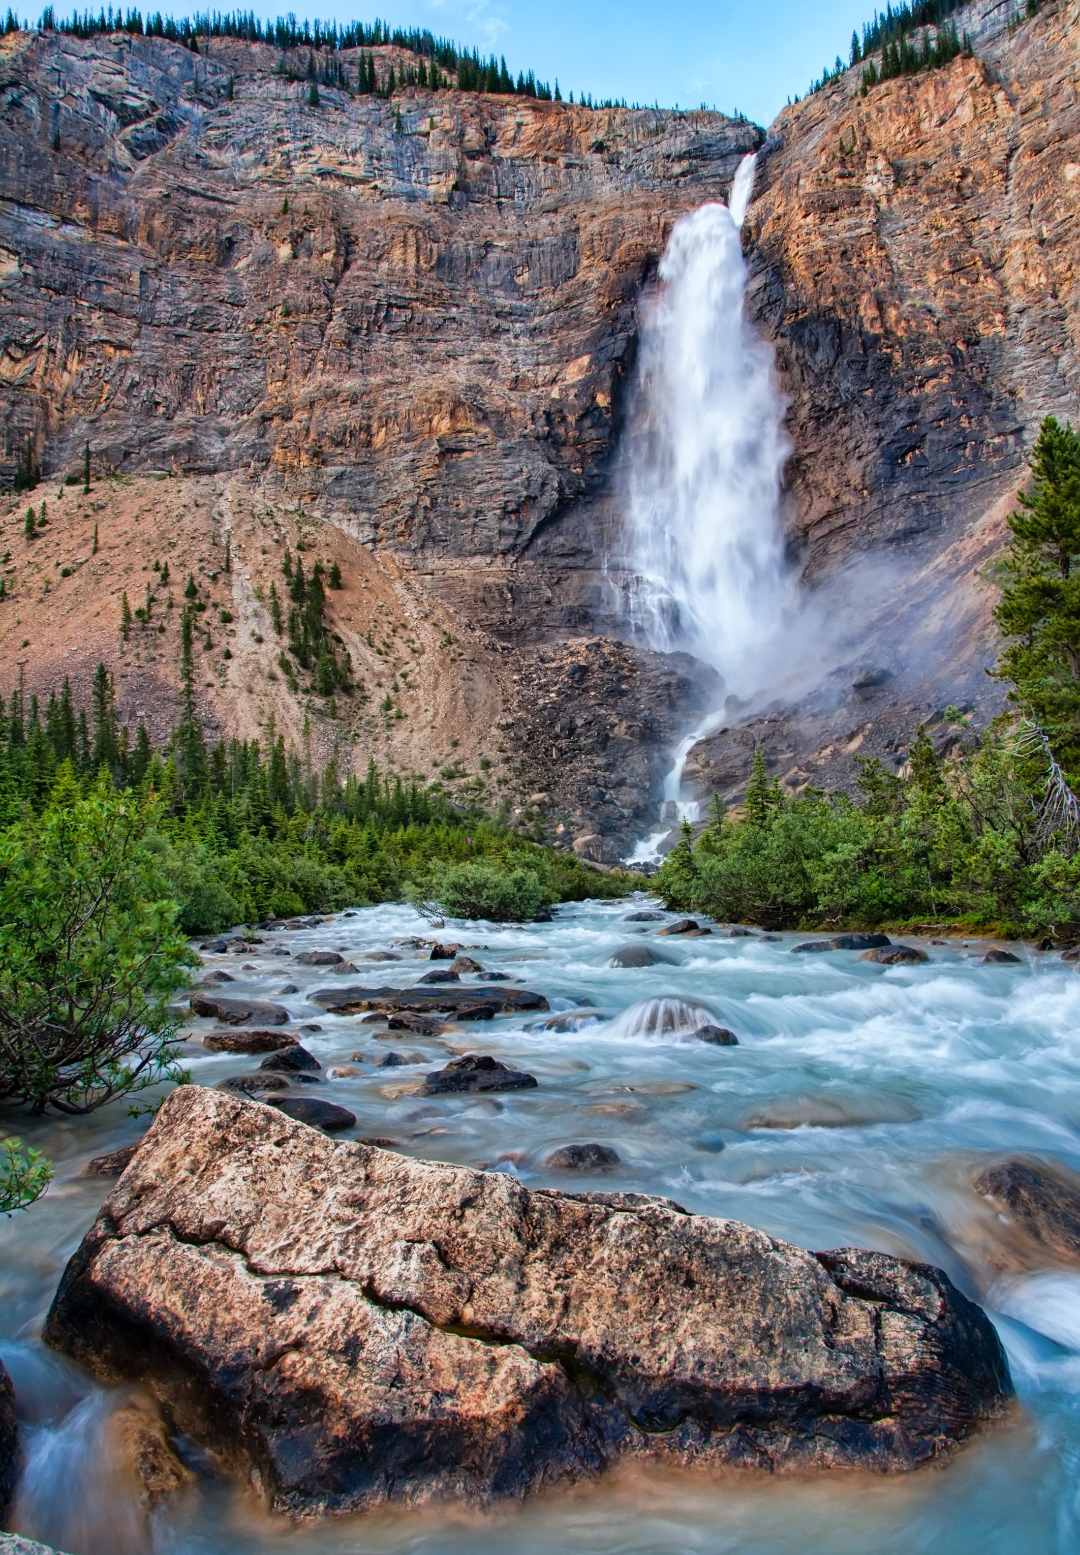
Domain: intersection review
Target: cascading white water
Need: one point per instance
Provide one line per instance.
(707, 453)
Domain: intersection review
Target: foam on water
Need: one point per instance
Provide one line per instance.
(857, 1107)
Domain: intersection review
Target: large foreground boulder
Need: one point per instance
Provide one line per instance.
(351, 1327)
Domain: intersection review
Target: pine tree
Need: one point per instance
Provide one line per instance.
(313, 95)
(275, 609)
(762, 793)
(1039, 611)
(190, 589)
(29, 525)
(141, 757)
(125, 616)
(335, 575)
(94, 546)
(228, 553)
(106, 750)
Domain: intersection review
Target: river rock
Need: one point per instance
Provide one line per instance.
(252, 1084)
(291, 1059)
(351, 1327)
(1046, 1206)
(683, 926)
(719, 1036)
(319, 958)
(215, 979)
(309, 1110)
(643, 917)
(441, 952)
(380, 955)
(9, 1443)
(141, 1443)
(476, 1072)
(996, 957)
(634, 956)
(112, 1163)
(463, 964)
(13, 1544)
(247, 1041)
(583, 1158)
(843, 942)
(896, 955)
(461, 1003)
(238, 1012)
(444, 975)
(423, 1025)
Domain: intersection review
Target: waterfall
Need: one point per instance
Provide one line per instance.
(706, 456)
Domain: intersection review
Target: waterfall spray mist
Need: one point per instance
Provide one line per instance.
(706, 459)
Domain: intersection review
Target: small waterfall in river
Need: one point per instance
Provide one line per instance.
(707, 453)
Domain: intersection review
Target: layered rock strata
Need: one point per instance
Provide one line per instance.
(351, 1327)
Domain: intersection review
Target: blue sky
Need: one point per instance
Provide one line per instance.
(746, 54)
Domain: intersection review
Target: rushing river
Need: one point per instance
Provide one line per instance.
(858, 1104)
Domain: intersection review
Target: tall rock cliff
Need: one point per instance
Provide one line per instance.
(402, 333)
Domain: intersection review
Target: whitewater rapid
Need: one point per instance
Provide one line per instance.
(856, 1108)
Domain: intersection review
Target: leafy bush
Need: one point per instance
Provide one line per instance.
(486, 891)
(23, 1178)
(90, 954)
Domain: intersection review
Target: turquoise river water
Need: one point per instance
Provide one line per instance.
(856, 1108)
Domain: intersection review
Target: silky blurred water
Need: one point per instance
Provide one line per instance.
(856, 1108)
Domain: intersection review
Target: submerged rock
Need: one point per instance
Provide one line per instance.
(463, 964)
(252, 1084)
(291, 1058)
(634, 956)
(843, 942)
(476, 1072)
(319, 958)
(996, 957)
(681, 926)
(453, 999)
(643, 917)
(1047, 1207)
(9, 1444)
(238, 1012)
(444, 975)
(247, 1041)
(719, 1036)
(112, 1163)
(351, 1327)
(896, 955)
(583, 1158)
(141, 1444)
(326, 1115)
(423, 1025)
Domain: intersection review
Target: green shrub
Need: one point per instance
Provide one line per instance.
(486, 891)
(90, 955)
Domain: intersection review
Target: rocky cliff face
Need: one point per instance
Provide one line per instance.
(411, 327)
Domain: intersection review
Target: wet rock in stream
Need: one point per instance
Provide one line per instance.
(1043, 1204)
(315, 1113)
(896, 955)
(238, 1012)
(583, 1158)
(350, 1327)
(112, 1163)
(476, 1072)
(634, 956)
(453, 999)
(247, 1041)
(252, 1084)
(290, 1059)
(9, 1443)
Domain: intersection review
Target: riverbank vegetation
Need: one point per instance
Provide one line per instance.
(985, 831)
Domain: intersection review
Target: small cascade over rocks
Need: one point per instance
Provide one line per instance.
(666, 1020)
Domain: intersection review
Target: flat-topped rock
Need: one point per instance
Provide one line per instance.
(241, 1041)
(239, 1012)
(439, 999)
(350, 1327)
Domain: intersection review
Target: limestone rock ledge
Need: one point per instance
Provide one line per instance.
(350, 1327)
